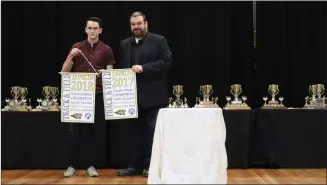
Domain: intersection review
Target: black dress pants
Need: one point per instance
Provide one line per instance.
(143, 146)
(82, 138)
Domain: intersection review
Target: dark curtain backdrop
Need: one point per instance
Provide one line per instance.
(211, 42)
(291, 48)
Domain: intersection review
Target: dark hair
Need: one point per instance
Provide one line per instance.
(135, 14)
(95, 19)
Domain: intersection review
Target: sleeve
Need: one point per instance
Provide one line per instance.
(74, 46)
(163, 64)
(109, 57)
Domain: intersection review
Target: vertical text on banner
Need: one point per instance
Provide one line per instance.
(119, 94)
(78, 97)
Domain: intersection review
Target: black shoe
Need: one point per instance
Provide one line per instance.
(145, 172)
(129, 172)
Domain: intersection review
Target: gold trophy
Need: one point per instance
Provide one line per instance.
(22, 105)
(12, 103)
(15, 92)
(313, 93)
(236, 90)
(321, 99)
(316, 100)
(19, 101)
(50, 102)
(273, 90)
(206, 91)
(46, 91)
(54, 91)
(178, 103)
(320, 90)
(44, 104)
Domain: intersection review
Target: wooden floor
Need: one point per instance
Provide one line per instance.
(235, 176)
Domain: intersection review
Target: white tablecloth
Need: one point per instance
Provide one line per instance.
(189, 147)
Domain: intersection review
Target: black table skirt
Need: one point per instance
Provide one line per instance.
(283, 138)
(239, 125)
(38, 140)
(293, 138)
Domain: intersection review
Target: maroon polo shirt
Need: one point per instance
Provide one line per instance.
(99, 55)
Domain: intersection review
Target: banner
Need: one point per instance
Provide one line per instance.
(78, 97)
(119, 94)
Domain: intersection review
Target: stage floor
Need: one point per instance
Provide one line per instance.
(108, 176)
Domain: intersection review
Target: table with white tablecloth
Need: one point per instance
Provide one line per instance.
(189, 147)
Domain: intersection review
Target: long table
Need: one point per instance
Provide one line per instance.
(286, 138)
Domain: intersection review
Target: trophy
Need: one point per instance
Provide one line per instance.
(313, 93)
(38, 107)
(54, 91)
(185, 104)
(18, 103)
(171, 104)
(236, 90)
(206, 91)
(12, 103)
(46, 91)
(215, 101)
(45, 103)
(320, 90)
(197, 102)
(316, 100)
(15, 92)
(273, 90)
(178, 103)
(50, 102)
(42, 105)
(22, 104)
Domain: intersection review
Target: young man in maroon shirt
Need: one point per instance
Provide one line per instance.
(101, 57)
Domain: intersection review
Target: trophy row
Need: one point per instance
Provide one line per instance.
(19, 101)
(316, 100)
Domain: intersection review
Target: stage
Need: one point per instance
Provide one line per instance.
(253, 44)
(108, 176)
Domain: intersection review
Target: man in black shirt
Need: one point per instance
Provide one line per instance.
(149, 56)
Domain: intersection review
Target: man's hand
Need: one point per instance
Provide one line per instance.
(137, 68)
(75, 52)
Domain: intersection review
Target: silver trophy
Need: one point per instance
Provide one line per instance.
(237, 103)
(273, 90)
(178, 103)
(317, 100)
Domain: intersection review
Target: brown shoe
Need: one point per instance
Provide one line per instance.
(145, 172)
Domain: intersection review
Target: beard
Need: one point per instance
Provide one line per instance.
(139, 32)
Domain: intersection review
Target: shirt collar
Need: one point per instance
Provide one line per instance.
(141, 40)
(89, 45)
